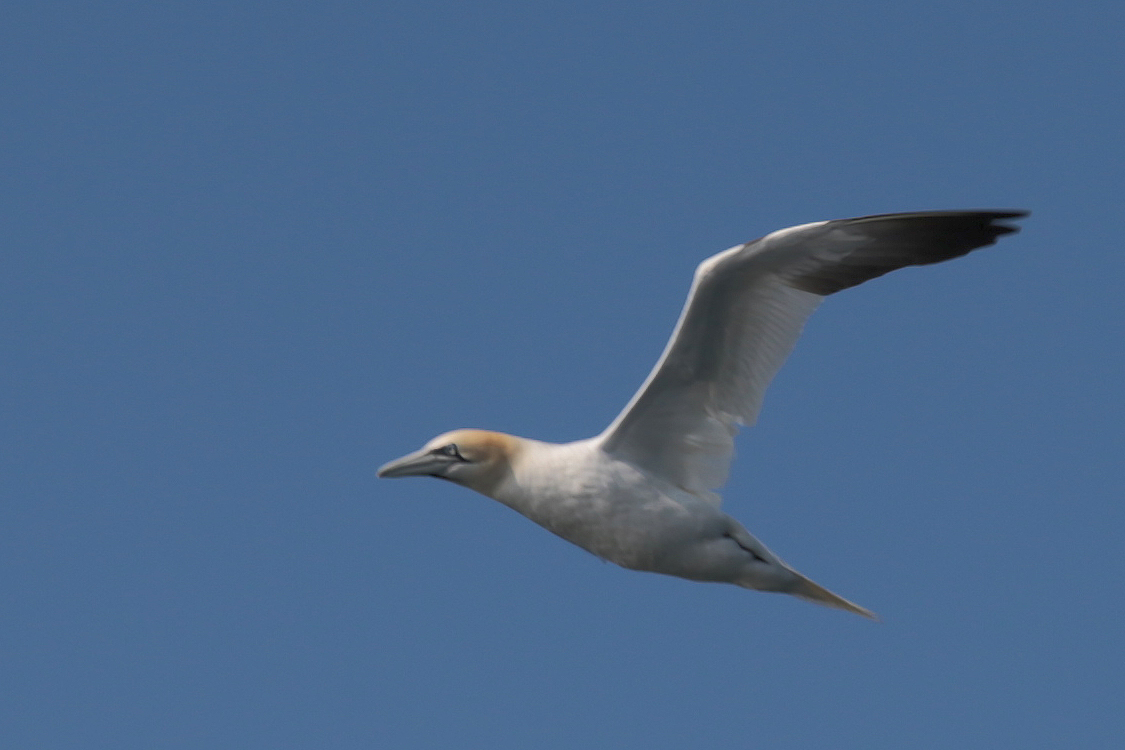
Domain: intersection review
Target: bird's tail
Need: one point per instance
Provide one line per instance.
(817, 594)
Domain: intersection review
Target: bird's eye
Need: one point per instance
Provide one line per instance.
(449, 450)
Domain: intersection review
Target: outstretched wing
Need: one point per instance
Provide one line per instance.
(743, 315)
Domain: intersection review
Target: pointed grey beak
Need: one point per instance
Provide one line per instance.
(417, 464)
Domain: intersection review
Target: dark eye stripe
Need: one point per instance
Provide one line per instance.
(449, 450)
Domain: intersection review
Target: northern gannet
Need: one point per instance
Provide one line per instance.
(641, 494)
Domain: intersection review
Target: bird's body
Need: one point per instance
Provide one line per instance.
(641, 493)
(607, 506)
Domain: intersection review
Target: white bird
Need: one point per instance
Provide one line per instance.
(641, 494)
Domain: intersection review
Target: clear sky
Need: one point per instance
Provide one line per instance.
(252, 250)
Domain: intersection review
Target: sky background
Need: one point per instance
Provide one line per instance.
(253, 250)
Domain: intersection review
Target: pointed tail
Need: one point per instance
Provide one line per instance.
(817, 594)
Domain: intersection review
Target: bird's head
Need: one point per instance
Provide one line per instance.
(477, 459)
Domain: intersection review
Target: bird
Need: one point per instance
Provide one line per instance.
(642, 494)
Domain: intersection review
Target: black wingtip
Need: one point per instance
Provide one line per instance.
(891, 241)
(1002, 215)
(983, 214)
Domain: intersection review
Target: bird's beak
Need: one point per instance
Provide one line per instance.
(417, 464)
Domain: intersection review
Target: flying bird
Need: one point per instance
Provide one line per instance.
(642, 493)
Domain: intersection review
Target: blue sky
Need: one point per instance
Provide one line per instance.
(252, 250)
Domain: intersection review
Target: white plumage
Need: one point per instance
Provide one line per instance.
(641, 494)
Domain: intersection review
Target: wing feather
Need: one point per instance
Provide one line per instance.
(743, 315)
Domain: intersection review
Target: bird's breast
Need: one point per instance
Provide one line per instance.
(608, 507)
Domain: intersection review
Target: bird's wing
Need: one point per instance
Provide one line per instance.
(743, 315)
